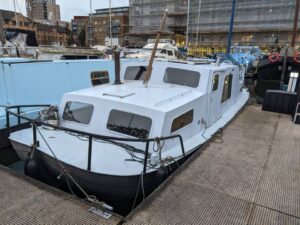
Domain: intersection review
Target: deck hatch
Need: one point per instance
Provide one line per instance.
(119, 94)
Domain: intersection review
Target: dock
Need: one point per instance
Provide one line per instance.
(24, 200)
(249, 175)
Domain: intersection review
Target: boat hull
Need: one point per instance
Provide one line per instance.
(269, 76)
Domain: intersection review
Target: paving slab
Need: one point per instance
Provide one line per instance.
(27, 201)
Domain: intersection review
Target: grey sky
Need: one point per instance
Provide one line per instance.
(68, 8)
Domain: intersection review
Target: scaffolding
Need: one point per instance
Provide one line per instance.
(266, 23)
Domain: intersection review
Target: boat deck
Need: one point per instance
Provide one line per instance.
(249, 176)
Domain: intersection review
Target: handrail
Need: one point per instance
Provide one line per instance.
(90, 136)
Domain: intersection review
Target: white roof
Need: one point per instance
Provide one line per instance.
(156, 97)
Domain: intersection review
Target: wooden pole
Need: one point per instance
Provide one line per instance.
(295, 23)
(149, 68)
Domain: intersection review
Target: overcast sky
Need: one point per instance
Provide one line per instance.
(68, 8)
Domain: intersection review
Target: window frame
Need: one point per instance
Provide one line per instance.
(229, 94)
(73, 121)
(213, 84)
(186, 125)
(102, 78)
(124, 134)
(142, 69)
(183, 70)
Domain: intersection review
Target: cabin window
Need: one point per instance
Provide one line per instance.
(182, 77)
(227, 88)
(164, 51)
(170, 53)
(215, 82)
(182, 121)
(78, 112)
(134, 73)
(129, 123)
(99, 77)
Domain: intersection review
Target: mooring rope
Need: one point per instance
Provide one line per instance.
(65, 172)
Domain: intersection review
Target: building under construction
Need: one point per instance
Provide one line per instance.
(145, 16)
(266, 23)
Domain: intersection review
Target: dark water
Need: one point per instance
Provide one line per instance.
(8, 156)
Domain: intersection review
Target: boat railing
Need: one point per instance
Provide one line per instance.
(16, 111)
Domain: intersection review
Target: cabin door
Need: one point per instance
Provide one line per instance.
(214, 108)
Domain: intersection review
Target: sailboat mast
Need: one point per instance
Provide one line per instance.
(187, 26)
(149, 67)
(16, 15)
(231, 26)
(90, 26)
(295, 23)
(110, 32)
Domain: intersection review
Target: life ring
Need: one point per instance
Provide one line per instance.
(297, 57)
(274, 57)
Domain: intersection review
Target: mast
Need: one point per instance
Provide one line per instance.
(187, 25)
(198, 22)
(110, 32)
(90, 27)
(295, 23)
(16, 15)
(148, 72)
(231, 26)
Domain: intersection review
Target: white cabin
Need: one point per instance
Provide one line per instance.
(183, 99)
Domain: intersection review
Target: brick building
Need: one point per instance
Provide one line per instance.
(14, 25)
(101, 25)
(43, 10)
(80, 24)
(37, 33)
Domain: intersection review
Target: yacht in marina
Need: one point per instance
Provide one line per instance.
(118, 137)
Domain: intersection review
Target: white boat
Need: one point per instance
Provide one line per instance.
(111, 136)
(166, 49)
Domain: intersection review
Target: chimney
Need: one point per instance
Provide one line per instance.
(117, 67)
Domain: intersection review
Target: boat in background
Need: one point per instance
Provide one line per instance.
(247, 56)
(166, 49)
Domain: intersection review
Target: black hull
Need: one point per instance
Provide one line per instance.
(269, 75)
(7, 154)
(115, 190)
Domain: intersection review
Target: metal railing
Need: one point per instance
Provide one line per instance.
(35, 123)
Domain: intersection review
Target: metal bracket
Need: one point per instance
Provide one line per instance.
(100, 212)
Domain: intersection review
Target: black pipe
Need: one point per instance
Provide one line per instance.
(117, 67)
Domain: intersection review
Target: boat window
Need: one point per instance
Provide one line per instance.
(216, 82)
(182, 121)
(129, 123)
(164, 51)
(99, 77)
(170, 53)
(182, 77)
(227, 88)
(78, 112)
(134, 72)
